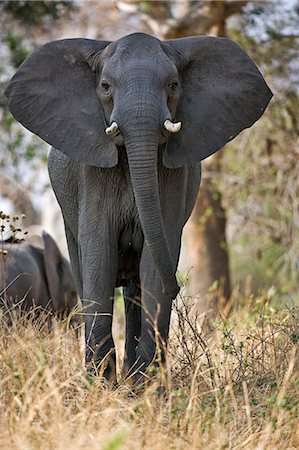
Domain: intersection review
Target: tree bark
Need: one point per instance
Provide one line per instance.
(207, 249)
(205, 232)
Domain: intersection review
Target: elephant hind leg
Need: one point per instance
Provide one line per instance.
(132, 299)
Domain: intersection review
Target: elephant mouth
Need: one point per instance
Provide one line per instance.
(116, 136)
(119, 141)
(166, 130)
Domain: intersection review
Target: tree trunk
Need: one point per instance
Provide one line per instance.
(205, 236)
(207, 249)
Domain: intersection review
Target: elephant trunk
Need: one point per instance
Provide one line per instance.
(141, 140)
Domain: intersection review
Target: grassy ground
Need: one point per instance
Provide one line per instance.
(234, 384)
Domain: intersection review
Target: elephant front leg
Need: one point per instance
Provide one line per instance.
(100, 349)
(155, 318)
(99, 264)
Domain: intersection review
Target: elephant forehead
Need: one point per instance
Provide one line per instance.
(144, 65)
(136, 51)
(138, 41)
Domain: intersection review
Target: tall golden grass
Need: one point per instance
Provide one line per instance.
(233, 385)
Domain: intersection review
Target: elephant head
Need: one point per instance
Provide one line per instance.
(182, 99)
(36, 272)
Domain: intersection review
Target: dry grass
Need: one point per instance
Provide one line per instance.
(233, 385)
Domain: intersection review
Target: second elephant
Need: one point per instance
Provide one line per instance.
(34, 273)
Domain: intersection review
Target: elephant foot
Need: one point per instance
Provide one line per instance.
(102, 366)
(144, 373)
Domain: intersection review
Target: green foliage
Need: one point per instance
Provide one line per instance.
(19, 147)
(35, 12)
(146, 7)
(117, 440)
(16, 144)
(18, 50)
(262, 189)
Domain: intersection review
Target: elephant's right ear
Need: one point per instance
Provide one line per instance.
(53, 94)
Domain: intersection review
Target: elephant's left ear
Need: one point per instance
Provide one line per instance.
(223, 93)
(53, 94)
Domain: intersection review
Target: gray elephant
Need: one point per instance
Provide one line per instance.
(34, 273)
(130, 122)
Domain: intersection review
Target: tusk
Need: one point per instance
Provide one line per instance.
(112, 129)
(172, 126)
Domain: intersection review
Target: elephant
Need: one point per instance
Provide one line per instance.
(129, 122)
(33, 273)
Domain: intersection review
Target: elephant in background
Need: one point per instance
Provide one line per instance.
(33, 273)
(130, 122)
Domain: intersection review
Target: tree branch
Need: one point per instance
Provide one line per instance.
(199, 17)
(234, 7)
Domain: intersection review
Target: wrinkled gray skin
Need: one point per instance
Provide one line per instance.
(34, 273)
(125, 198)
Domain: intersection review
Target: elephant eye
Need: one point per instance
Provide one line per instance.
(172, 86)
(105, 86)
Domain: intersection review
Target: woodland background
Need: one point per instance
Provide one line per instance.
(235, 384)
(245, 226)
